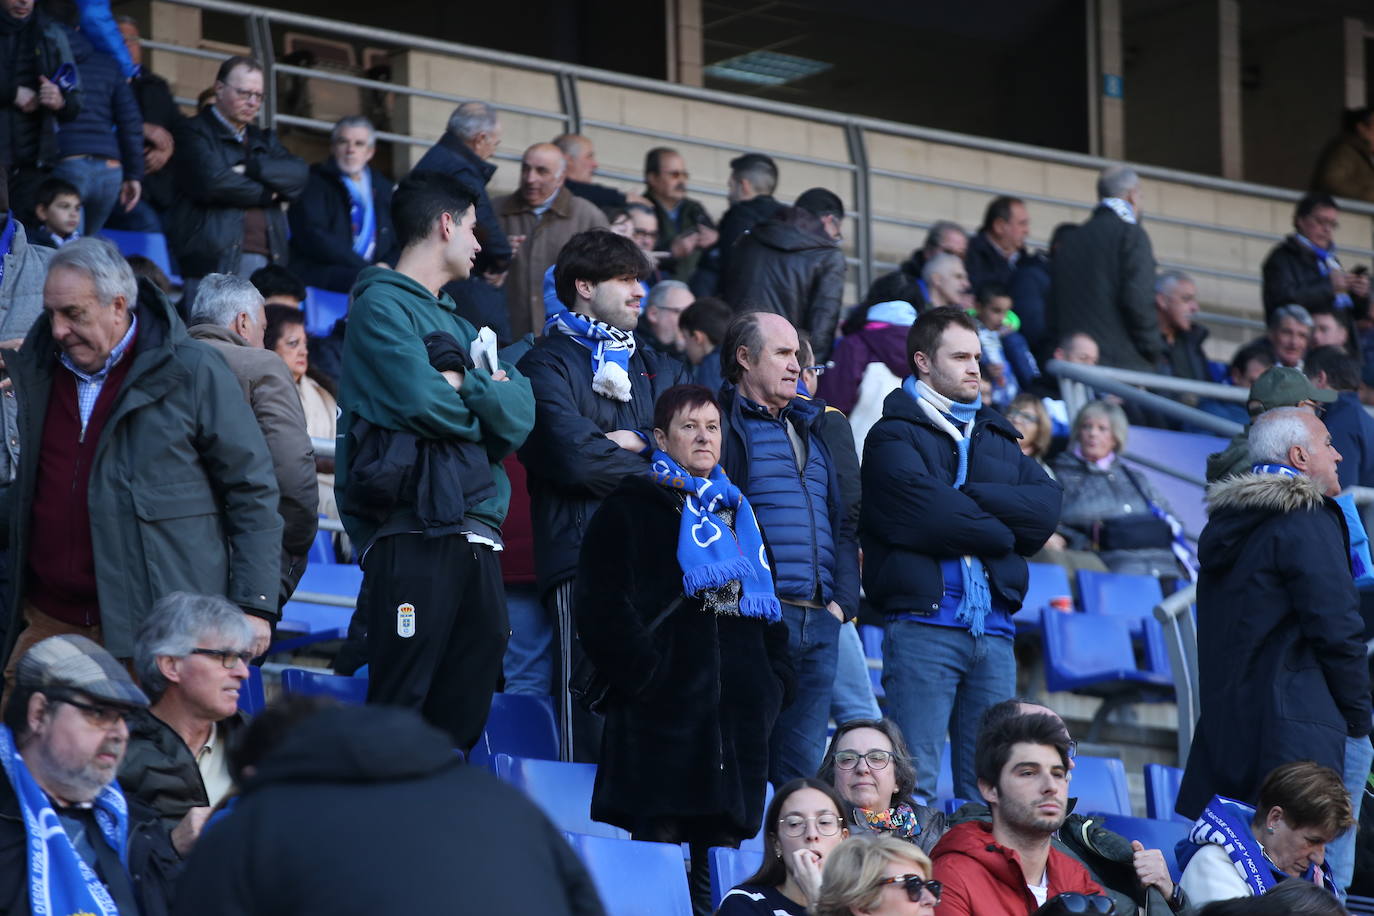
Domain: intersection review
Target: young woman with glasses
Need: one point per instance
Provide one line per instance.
(877, 876)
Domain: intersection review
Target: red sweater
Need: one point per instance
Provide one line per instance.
(984, 878)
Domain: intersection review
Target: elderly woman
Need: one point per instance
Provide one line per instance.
(801, 828)
(1108, 507)
(675, 605)
(877, 876)
(285, 336)
(870, 767)
(1239, 851)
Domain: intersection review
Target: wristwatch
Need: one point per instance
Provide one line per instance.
(1177, 900)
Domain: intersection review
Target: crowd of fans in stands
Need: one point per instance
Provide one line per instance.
(604, 448)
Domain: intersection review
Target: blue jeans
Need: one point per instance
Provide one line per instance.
(942, 679)
(798, 741)
(528, 664)
(852, 696)
(1340, 852)
(98, 182)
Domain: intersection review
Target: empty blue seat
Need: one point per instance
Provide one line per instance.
(304, 682)
(322, 309)
(563, 791)
(1152, 834)
(1093, 654)
(636, 878)
(343, 579)
(1099, 784)
(1161, 792)
(322, 550)
(151, 245)
(1047, 581)
(730, 867)
(1122, 594)
(252, 698)
(522, 726)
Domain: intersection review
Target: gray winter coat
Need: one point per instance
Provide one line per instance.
(1092, 495)
(21, 301)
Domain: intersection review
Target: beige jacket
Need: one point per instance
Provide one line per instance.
(544, 237)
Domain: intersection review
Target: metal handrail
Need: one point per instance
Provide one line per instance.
(1103, 378)
(1172, 383)
(1175, 616)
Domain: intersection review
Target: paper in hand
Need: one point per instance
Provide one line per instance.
(483, 350)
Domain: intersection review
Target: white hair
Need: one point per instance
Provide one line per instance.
(176, 623)
(1116, 180)
(660, 291)
(1274, 433)
(222, 298)
(470, 119)
(101, 261)
(354, 121)
(1169, 280)
(940, 264)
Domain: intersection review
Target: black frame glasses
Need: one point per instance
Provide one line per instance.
(103, 715)
(914, 884)
(227, 657)
(876, 759)
(794, 825)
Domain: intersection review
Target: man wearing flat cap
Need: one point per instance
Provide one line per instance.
(1279, 386)
(69, 841)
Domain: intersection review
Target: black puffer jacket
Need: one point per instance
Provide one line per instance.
(789, 266)
(1293, 276)
(160, 771)
(37, 46)
(322, 234)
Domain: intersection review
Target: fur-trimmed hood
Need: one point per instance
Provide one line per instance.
(1240, 506)
(1264, 493)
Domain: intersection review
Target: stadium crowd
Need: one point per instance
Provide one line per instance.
(606, 448)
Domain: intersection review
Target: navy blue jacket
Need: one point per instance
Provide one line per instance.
(986, 263)
(912, 517)
(454, 157)
(109, 124)
(828, 546)
(1352, 433)
(322, 232)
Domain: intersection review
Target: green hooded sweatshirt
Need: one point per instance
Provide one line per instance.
(388, 381)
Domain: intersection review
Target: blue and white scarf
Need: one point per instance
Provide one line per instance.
(976, 601)
(1225, 822)
(1121, 208)
(710, 556)
(611, 349)
(60, 881)
(1326, 261)
(362, 215)
(1361, 565)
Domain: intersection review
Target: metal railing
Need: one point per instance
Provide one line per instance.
(1077, 382)
(1175, 616)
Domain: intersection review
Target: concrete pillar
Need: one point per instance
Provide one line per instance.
(1356, 95)
(1230, 123)
(1110, 85)
(686, 56)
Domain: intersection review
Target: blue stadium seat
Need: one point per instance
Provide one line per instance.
(1122, 594)
(522, 726)
(1152, 834)
(322, 550)
(1047, 581)
(872, 638)
(252, 699)
(151, 245)
(755, 842)
(1099, 784)
(730, 867)
(1092, 654)
(563, 791)
(636, 878)
(304, 682)
(1161, 792)
(322, 309)
(332, 579)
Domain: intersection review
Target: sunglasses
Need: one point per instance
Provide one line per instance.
(914, 884)
(1083, 903)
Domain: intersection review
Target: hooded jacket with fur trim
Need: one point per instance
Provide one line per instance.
(1281, 661)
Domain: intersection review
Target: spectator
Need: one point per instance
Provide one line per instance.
(946, 283)
(594, 392)
(873, 772)
(1027, 413)
(1005, 351)
(1000, 243)
(190, 460)
(160, 114)
(539, 219)
(582, 166)
(703, 325)
(1303, 268)
(906, 282)
(658, 327)
(753, 179)
(948, 590)
(294, 843)
(1235, 850)
(1030, 291)
(228, 315)
(1335, 328)
(776, 452)
(869, 363)
(1103, 277)
(1289, 898)
(21, 302)
(1345, 167)
(1175, 307)
(696, 692)
(1289, 334)
(100, 151)
(1351, 427)
(342, 222)
(1010, 865)
(233, 180)
(791, 265)
(620, 222)
(685, 229)
(1276, 387)
(878, 876)
(32, 48)
(1249, 363)
(431, 596)
(803, 825)
(1280, 648)
(192, 659)
(64, 735)
(58, 210)
(1080, 348)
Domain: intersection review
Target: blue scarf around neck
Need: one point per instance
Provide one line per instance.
(362, 215)
(1225, 822)
(611, 349)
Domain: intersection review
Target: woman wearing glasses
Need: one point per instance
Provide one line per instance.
(877, 876)
(802, 826)
(870, 767)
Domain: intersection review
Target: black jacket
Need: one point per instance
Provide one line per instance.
(1185, 358)
(571, 463)
(986, 263)
(205, 225)
(155, 102)
(322, 233)
(160, 771)
(1281, 661)
(913, 518)
(695, 700)
(739, 219)
(1293, 276)
(38, 46)
(789, 266)
(109, 125)
(1103, 282)
(366, 809)
(454, 157)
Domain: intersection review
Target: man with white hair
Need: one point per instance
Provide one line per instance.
(582, 166)
(946, 282)
(228, 315)
(1281, 658)
(143, 471)
(1103, 277)
(1176, 305)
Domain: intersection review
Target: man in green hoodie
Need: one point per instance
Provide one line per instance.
(432, 597)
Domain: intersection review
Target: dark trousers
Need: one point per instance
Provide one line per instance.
(436, 629)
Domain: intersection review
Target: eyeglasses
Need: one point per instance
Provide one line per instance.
(646, 233)
(819, 370)
(914, 884)
(103, 716)
(227, 657)
(795, 824)
(1084, 903)
(877, 760)
(248, 95)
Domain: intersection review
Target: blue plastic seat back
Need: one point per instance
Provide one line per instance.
(322, 309)
(1161, 792)
(636, 878)
(729, 867)
(252, 698)
(151, 245)
(1152, 834)
(562, 790)
(522, 726)
(1082, 650)
(1047, 581)
(1122, 594)
(322, 550)
(332, 579)
(1099, 784)
(755, 842)
(305, 683)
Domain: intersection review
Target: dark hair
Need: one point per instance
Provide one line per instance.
(679, 398)
(230, 64)
(269, 729)
(821, 202)
(596, 255)
(615, 213)
(990, 291)
(1311, 796)
(903, 767)
(653, 159)
(421, 199)
(756, 168)
(773, 871)
(17, 710)
(275, 280)
(1353, 117)
(53, 188)
(279, 318)
(1259, 350)
(929, 329)
(1346, 319)
(998, 713)
(995, 743)
(1290, 898)
(999, 208)
(1311, 201)
(1342, 371)
(710, 315)
(744, 332)
(147, 267)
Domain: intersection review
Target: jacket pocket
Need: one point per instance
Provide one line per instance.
(182, 537)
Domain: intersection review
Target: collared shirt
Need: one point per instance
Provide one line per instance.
(88, 386)
(541, 209)
(213, 761)
(238, 132)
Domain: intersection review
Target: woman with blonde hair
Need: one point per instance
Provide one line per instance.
(877, 876)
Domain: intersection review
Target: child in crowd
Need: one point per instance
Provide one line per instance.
(58, 209)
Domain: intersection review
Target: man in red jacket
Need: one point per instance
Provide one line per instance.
(1009, 867)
